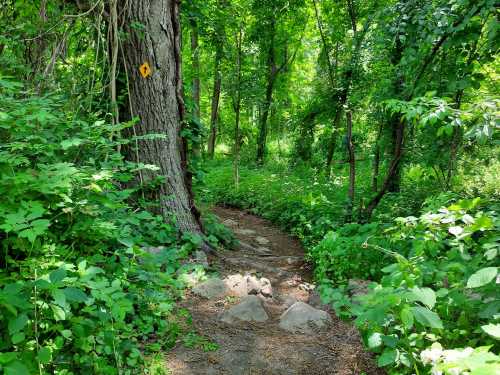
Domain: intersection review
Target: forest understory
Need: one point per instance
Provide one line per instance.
(249, 187)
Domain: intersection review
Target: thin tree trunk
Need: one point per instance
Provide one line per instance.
(393, 170)
(272, 72)
(157, 101)
(212, 138)
(352, 167)
(237, 109)
(195, 58)
(376, 160)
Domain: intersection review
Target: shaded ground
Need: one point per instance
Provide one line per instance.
(264, 348)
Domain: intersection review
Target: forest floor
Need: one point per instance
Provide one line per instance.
(244, 315)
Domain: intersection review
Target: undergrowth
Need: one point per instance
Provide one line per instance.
(434, 276)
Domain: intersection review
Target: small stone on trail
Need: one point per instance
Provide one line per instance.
(261, 240)
(240, 285)
(249, 309)
(302, 318)
(212, 288)
(237, 285)
(245, 232)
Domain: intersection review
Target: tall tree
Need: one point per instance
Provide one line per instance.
(153, 61)
(219, 54)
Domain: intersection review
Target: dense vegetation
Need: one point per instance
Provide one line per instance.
(368, 129)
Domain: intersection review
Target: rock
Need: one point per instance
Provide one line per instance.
(245, 232)
(241, 286)
(212, 288)
(253, 285)
(302, 318)
(266, 289)
(288, 301)
(200, 257)
(248, 310)
(316, 302)
(261, 240)
(237, 285)
(230, 223)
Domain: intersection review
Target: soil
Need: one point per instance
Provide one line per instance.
(263, 348)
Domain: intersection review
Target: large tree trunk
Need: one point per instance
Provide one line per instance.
(157, 101)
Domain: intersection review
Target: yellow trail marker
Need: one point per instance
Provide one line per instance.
(145, 70)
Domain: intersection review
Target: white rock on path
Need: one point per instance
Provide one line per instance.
(249, 309)
(212, 288)
(302, 318)
(237, 285)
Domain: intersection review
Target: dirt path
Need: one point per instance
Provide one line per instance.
(258, 344)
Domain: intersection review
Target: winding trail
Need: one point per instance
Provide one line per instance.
(258, 344)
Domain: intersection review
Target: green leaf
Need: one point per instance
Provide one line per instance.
(424, 295)
(75, 295)
(17, 324)
(59, 313)
(7, 357)
(407, 317)
(44, 355)
(57, 275)
(16, 368)
(426, 317)
(388, 357)
(482, 277)
(375, 340)
(18, 337)
(492, 330)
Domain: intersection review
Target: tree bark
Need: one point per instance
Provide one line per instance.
(157, 101)
(237, 108)
(272, 72)
(352, 167)
(195, 58)
(376, 160)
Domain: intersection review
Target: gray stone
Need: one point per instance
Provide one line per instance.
(237, 285)
(245, 232)
(261, 240)
(265, 288)
(212, 288)
(302, 318)
(248, 310)
(263, 250)
(288, 301)
(200, 257)
(253, 285)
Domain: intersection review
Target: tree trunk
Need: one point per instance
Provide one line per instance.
(395, 182)
(272, 72)
(352, 167)
(195, 58)
(212, 138)
(393, 170)
(237, 109)
(157, 101)
(376, 160)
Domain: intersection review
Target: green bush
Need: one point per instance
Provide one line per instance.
(441, 287)
(78, 292)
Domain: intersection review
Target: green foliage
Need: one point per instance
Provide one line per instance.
(441, 286)
(80, 293)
